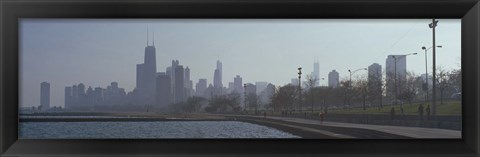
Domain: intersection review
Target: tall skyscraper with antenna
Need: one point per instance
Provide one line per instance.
(316, 72)
(146, 73)
(217, 79)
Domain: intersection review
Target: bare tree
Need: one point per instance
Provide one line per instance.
(442, 81)
(410, 90)
(360, 89)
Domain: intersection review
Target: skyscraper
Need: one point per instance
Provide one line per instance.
(146, 75)
(217, 79)
(201, 87)
(68, 97)
(45, 95)
(374, 72)
(333, 79)
(401, 74)
(171, 71)
(374, 85)
(250, 89)
(188, 85)
(261, 86)
(74, 96)
(237, 84)
(179, 84)
(163, 90)
(81, 94)
(316, 73)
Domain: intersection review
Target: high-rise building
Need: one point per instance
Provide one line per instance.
(81, 94)
(374, 85)
(171, 71)
(316, 73)
(374, 72)
(98, 96)
(266, 94)
(201, 87)
(230, 87)
(294, 82)
(217, 79)
(45, 95)
(179, 84)
(163, 90)
(146, 75)
(237, 84)
(68, 97)
(401, 74)
(333, 79)
(261, 86)
(251, 89)
(74, 95)
(188, 85)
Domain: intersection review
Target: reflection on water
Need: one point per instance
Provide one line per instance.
(135, 130)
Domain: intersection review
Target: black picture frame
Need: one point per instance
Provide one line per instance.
(12, 10)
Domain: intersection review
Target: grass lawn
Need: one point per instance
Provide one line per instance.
(447, 108)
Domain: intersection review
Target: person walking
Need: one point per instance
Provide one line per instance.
(428, 112)
(420, 111)
(392, 113)
(322, 116)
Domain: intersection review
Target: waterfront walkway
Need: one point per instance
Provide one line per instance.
(351, 130)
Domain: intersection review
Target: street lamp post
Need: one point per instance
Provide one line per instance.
(426, 72)
(350, 83)
(300, 89)
(434, 105)
(395, 80)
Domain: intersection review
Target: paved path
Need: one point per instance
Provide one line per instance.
(413, 132)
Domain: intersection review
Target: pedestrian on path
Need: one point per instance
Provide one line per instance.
(428, 112)
(392, 113)
(420, 111)
(322, 116)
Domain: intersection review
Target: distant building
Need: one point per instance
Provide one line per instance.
(261, 86)
(230, 87)
(374, 85)
(266, 94)
(294, 82)
(401, 74)
(163, 90)
(188, 84)
(333, 79)
(146, 75)
(74, 100)
(251, 89)
(45, 95)
(179, 84)
(237, 84)
(171, 70)
(316, 73)
(217, 78)
(68, 97)
(201, 87)
(81, 94)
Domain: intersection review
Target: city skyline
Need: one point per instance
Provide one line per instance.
(232, 64)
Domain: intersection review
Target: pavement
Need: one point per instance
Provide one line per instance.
(412, 132)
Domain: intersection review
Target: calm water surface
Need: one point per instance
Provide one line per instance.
(135, 130)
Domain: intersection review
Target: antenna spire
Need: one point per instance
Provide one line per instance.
(153, 37)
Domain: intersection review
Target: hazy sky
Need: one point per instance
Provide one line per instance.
(96, 52)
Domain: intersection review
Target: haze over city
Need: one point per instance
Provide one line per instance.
(97, 52)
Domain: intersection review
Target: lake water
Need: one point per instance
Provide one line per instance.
(147, 130)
